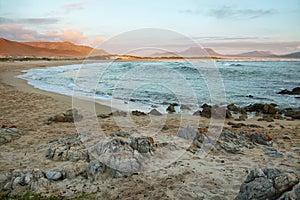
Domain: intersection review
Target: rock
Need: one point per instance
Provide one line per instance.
(260, 138)
(118, 114)
(120, 156)
(9, 134)
(70, 115)
(103, 116)
(67, 149)
(228, 114)
(266, 118)
(155, 112)
(188, 133)
(274, 154)
(53, 175)
(293, 194)
(295, 91)
(232, 107)
(138, 113)
(206, 111)
(171, 108)
(269, 109)
(143, 145)
(263, 108)
(94, 169)
(72, 170)
(264, 184)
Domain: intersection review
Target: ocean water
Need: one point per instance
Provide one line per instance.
(148, 84)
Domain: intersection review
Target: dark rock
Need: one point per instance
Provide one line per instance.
(118, 114)
(263, 108)
(293, 194)
(228, 114)
(206, 111)
(155, 112)
(269, 109)
(171, 109)
(103, 116)
(260, 138)
(295, 91)
(264, 184)
(138, 113)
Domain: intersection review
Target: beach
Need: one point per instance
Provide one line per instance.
(218, 175)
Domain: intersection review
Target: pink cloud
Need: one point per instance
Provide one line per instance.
(19, 32)
(73, 36)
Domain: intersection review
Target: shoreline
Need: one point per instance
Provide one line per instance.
(10, 77)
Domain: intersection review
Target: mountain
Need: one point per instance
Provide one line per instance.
(46, 49)
(255, 54)
(190, 52)
(291, 55)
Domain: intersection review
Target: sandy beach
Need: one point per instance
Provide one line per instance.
(218, 175)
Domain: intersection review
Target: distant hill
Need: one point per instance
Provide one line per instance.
(203, 52)
(190, 52)
(291, 55)
(46, 49)
(255, 54)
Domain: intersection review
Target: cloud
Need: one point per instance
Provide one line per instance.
(230, 12)
(4, 20)
(74, 6)
(19, 32)
(73, 36)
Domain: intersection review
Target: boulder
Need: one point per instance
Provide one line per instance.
(266, 183)
(206, 111)
(70, 115)
(53, 175)
(138, 113)
(155, 112)
(171, 108)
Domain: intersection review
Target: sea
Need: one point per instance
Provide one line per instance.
(156, 84)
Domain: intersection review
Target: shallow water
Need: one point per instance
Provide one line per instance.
(156, 84)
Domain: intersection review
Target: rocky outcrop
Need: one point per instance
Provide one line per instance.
(295, 114)
(294, 91)
(71, 115)
(262, 183)
(67, 149)
(8, 134)
(262, 108)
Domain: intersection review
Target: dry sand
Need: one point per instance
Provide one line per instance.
(216, 176)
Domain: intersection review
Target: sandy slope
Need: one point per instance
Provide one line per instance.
(217, 176)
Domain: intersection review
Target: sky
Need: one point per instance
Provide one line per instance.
(227, 26)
